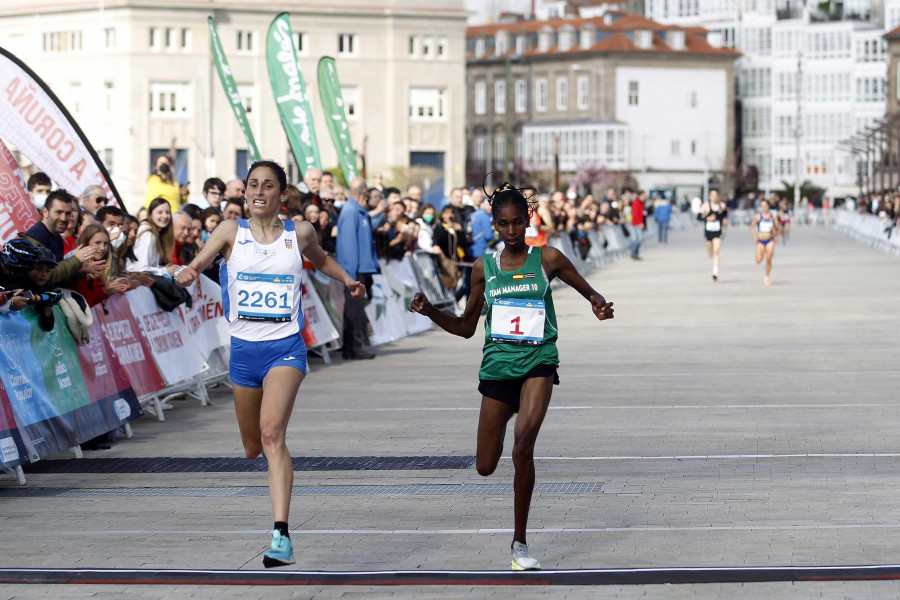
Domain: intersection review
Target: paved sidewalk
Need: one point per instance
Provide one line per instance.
(711, 424)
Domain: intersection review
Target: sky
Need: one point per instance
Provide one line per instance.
(487, 8)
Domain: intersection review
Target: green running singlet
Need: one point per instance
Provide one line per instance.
(514, 342)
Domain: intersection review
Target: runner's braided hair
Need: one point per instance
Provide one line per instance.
(506, 193)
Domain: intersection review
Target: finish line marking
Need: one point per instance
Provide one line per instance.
(647, 576)
(654, 407)
(718, 456)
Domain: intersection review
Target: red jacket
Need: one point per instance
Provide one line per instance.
(637, 212)
(91, 289)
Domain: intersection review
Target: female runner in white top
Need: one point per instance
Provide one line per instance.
(263, 408)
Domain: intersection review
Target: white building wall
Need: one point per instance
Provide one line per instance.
(678, 126)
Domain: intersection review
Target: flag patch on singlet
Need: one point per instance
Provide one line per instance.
(518, 276)
(529, 275)
(288, 243)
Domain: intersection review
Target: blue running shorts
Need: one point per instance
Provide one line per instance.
(251, 361)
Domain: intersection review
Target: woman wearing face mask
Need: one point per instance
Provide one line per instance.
(161, 184)
(426, 227)
(155, 242)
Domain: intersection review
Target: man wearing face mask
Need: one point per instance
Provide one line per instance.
(39, 186)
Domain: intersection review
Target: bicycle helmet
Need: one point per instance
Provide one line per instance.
(45, 256)
(19, 254)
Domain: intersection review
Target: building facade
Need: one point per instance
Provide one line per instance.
(138, 77)
(840, 57)
(618, 91)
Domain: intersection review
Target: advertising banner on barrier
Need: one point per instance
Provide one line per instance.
(17, 213)
(399, 277)
(113, 400)
(128, 347)
(290, 93)
(331, 294)
(318, 329)
(174, 352)
(37, 124)
(205, 319)
(12, 450)
(387, 324)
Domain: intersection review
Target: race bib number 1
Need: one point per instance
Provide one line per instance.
(517, 321)
(264, 297)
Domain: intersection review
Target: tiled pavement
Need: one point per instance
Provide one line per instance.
(724, 424)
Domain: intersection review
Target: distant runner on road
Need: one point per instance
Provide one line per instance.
(714, 215)
(765, 230)
(518, 368)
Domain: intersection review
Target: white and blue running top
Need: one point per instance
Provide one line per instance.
(261, 286)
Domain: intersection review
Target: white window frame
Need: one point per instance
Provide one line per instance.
(562, 93)
(583, 86)
(350, 94)
(169, 99)
(153, 41)
(499, 150)
(521, 44)
(347, 44)
(441, 48)
(586, 39)
(480, 97)
(540, 95)
(676, 147)
(643, 39)
(565, 40)
(300, 43)
(633, 93)
(428, 47)
(480, 47)
(501, 43)
(412, 50)
(479, 151)
(244, 41)
(169, 39)
(109, 35)
(185, 39)
(249, 99)
(500, 97)
(521, 93)
(544, 41)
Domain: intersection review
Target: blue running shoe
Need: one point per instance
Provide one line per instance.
(280, 553)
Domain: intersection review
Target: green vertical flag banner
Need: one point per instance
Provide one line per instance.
(231, 89)
(290, 93)
(335, 118)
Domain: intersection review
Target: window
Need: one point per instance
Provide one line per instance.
(562, 94)
(540, 95)
(170, 38)
(108, 93)
(242, 163)
(413, 49)
(519, 148)
(500, 151)
(480, 144)
(108, 159)
(583, 85)
(692, 100)
(693, 147)
(350, 96)
(169, 99)
(676, 147)
(185, 39)
(501, 45)
(520, 44)
(480, 98)
(565, 40)
(479, 47)
(643, 39)
(522, 96)
(428, 47)
(245, 41)
(587, 39)
(110, 37)
(500, 97)
(300, 42)
(154, 38)
(442, 48)
(544, 42)
(58, 42)
(247, 92)
(427, 104)
(632, 93)
(676, 40)
(347, 44)
(77, 96)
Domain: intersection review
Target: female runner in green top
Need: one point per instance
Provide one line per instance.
(518, 370)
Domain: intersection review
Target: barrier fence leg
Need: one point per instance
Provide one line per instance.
(20, 475)
(126, 427)
(325, 356)
(157, 408)
(201, 392)
(77, 451)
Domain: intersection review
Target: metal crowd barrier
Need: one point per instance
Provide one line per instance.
(870, 230)
(430, 283)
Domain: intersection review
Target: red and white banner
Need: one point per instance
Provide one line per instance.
(132, 352)
(205, 320)
(35, 122)
(175, 353)
(17, 213)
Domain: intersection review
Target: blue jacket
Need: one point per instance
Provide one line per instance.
(482, 232)
(355, 246)
(663, 213)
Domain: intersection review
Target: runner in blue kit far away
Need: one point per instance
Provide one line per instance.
(261, 280)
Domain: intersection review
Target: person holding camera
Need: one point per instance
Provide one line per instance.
(161, 184)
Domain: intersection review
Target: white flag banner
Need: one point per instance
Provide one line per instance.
(205, 319)
(35, 122)
(318, 329)
(177, 356)
(399, 277)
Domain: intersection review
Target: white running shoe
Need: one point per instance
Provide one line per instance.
(521, 560)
